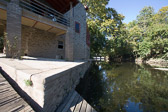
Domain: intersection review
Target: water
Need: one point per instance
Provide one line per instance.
(125, 87)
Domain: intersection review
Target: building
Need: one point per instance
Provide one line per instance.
(44, 28)
(49, 29)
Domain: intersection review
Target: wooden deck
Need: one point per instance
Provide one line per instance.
(10, 100)
(75, 103)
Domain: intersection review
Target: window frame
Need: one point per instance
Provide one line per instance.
(61, 45)
(76, 27)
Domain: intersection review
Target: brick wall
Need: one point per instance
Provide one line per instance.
(80, 38)
(81, 50)
(39, 43)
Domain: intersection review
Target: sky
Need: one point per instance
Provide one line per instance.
(130, 8)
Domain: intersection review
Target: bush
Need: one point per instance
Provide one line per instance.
(145, 49)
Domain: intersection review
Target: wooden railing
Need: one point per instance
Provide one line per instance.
(44, 10)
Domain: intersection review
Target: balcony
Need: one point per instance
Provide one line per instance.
(45, 11)
(38, 15)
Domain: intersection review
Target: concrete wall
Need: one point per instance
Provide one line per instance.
(49, 87)
(39, 43)
(56, 89)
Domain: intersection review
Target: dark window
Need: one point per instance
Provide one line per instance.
(77, 27)
(60, 45)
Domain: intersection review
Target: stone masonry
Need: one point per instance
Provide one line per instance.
(39, 43)
(80, 48)
(13, 44)
(24, 40)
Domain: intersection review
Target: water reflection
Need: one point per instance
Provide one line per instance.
(125, 87)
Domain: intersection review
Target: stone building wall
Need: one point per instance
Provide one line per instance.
(80, 38)
(81, 50)
(39, 43)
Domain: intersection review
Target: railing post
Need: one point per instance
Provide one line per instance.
(13, 29)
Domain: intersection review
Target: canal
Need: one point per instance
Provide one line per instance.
(125, 87)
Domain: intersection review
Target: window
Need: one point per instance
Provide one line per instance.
(77, 27)
(60, 45)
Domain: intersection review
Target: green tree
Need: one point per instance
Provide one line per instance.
(145, 17)
(102, 22)
(148, 34)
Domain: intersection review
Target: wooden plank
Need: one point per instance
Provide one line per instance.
(2, 91)
(18, 108)
(9, 106)
(89, 108)
(1, 76)
(7, 95)
(2, 79)
(5, 86)
(79, 104)
(3, 83)
(84, 106)
(9, 99)
(73, 104)
(69, 102)
(93, 110)
(6, 92)
(26, 109)
(65, 101)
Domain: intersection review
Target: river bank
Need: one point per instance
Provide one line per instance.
(153, 62)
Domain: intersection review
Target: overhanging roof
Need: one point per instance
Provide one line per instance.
(62, 6)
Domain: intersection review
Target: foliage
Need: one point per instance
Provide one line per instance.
(145, 37)
(145, 17)
(28, 82)
(148, 34)
(145, 49)
(12, 47)
(102, 22)
(1, 44)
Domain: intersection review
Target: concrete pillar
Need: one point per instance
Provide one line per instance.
(69, 39)
(13, 29)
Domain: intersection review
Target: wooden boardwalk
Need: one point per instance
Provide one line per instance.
(75, 103)
(10, 100)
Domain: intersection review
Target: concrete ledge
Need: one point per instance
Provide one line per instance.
(52, 79)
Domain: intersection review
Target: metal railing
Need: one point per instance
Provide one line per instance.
(44, 10)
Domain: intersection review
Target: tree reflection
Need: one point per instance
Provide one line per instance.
(127, 87)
